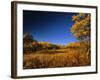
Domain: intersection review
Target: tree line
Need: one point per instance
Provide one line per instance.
(32, 45)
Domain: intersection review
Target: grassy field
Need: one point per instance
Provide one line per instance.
(68, 57)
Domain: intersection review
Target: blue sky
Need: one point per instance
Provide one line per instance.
(53, 27)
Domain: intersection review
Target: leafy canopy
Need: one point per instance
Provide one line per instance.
(81, 26)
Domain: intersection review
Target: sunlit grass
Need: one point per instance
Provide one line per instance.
(68, 57)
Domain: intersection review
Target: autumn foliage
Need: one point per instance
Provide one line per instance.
(81, 26)
(47, 55)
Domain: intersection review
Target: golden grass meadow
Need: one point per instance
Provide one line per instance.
(64, 57)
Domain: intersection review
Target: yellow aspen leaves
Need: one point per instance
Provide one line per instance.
(81, 26)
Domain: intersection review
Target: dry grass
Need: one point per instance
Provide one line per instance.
(68, 57)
